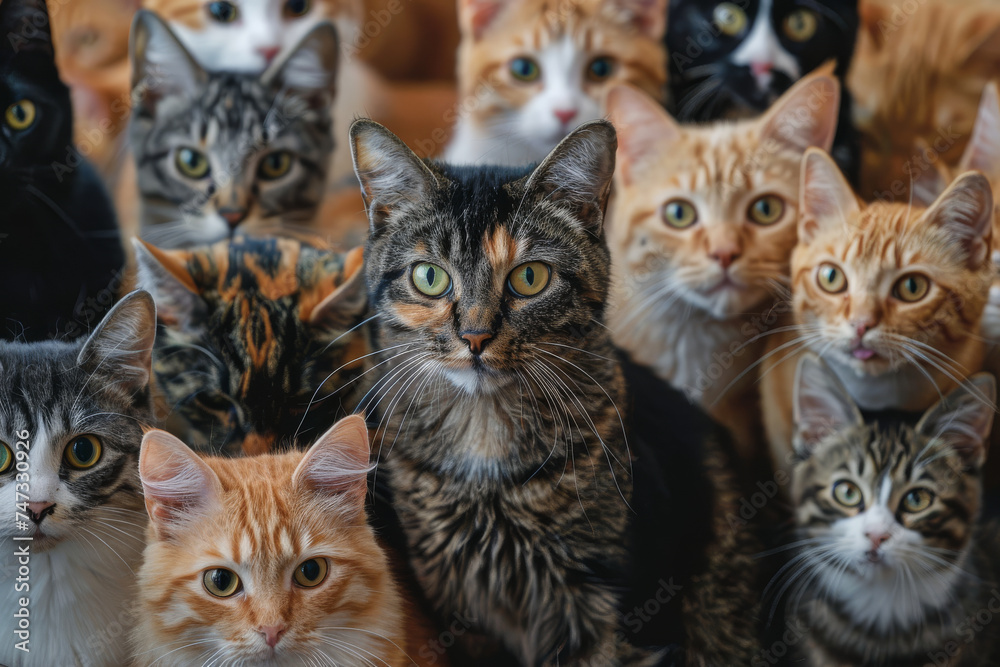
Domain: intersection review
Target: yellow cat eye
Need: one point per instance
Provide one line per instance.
(831, 278)
(275, 165)
(525, 69)
(311, 573)
(191, 163)
(431, 279)
(767, 210)
(800, 25)
(221, 583)
(6, 457)
(847, 493)
(223, 12)
(20, 115)
(729, 18)
(600, 68)
(911, 287)
(917, 500)
(296, 8)
(83, 451)
(679, 213)
(529, 279)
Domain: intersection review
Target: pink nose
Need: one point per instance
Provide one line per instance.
(39, 510)
(565, 115)
(877, 539)
(272, 633)
(862, 327)
(725, 256)
(760, 68)
(269, 52)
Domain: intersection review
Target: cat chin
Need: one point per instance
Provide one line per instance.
(473, 381)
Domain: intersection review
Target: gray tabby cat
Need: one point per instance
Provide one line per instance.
(892, 567)
(71, 420)
(216, 150)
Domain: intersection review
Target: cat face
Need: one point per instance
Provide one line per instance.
(255, 351)
(476, 270)
(879, 286)
(220, 151)
(83, 406)
(263, 560)
(888, 509)
(736, 58)
(707, 215)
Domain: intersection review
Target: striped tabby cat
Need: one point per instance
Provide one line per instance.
(892, 568)
(259, 345)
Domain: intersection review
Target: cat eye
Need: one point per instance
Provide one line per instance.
(679, 214)
(222, 583)
(296, 8)
(431, 279)
(917, 500)
(311, 572)
(6, 457)
(83, 451)
(767, 210)
(20, 115)
(600, 68)
(275, 165)
(529, 279)
(525, 69)
(192, 163)
(831, 278)
(730, 18)
(800, 25)
(847, 493)
(911, 287)
(223, 12)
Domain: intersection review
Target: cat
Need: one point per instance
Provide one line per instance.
(700, 231)
(735, 59)
(891, 296)
(260, 344)
(60, 250)
(267, 560)
(71, 418)
(891, 565)
(530, 71)
(217, 152)
(499, 439)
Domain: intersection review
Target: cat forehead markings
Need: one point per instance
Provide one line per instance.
(500, 247)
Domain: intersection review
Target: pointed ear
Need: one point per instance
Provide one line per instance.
(337, 465)
(161, 66)
(645, 131)
(649, 17)
(309, 70)
(983, 151)
(121, 347)
(821, 405)
(177, 484)
(578, 172)
(825, 196)
(965, 209)
(475, 16)
(164, 274)
(342, 307)
(392, 176)
(25, 27)
(929, 183)
(806, 115)
(963, 418)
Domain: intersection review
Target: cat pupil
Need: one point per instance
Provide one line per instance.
(298, 7)
(310, 569)
(222, 11)
(529, 276)
(221, 579)
(83, 449)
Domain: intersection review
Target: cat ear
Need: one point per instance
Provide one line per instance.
(649, 17)
(806, 115)
(310, 68)
(25, 27)
(164, 274)
(983, 151)
(391, 175)
(645, 130)
(342, 307)
(577, 173)
(161, 66)
(966, 210)
(930, 182)
(475, 16)
(821, 405)
(337, 465)
(121, 347)
(825, 196)
(178, 486)
(964, 417)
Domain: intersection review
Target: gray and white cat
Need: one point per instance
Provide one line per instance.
(71, 421)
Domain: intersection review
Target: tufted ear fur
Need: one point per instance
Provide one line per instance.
(337, 465)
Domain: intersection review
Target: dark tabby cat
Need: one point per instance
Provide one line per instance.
(71, 420)
(259, 345)
(500, 437)
(892, 567)
(221, 151)
(60, 252)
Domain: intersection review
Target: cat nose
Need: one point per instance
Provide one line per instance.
(476, 339)
(565, 115)
(877, 538)
(760, 68)
(233, 216)
(38, 511)
(725, 256)
(862, 326)
(272, 633)
(269, 52)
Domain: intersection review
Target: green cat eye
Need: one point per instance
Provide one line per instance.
(222, 583)
(911, 287)
(275, 165)
(917, 500)
(767, 210)
(296, 8)
(431, 279)
(529, 279)
(847, 493)
(600, 68)
(191, 163)
(6, 457)
(729, 18)
(800, 25)
(679, 213)
(830, 278)
(20, 115)
(311, 573)
(223, 12)
(83, 451)
(524, 69)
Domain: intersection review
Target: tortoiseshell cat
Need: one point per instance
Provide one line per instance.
(500, 437)
(892, 568)
(71, 418)
(259, 344)
(268, 560)
(217, 151)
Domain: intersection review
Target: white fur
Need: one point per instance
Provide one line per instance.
(763, 46)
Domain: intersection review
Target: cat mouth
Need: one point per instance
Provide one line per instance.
(863, 353)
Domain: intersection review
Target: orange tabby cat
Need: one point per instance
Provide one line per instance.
(700, 232)
(891, 296)
(268, 560)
